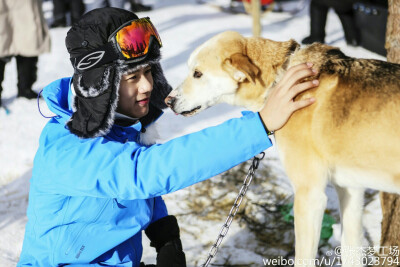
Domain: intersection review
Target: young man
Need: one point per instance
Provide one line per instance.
(95, 186)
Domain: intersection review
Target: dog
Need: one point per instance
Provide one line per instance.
(347, 137)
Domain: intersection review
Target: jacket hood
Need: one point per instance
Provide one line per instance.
(58, 97)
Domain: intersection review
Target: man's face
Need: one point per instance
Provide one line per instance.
(134, 93)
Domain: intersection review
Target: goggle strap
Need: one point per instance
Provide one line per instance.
(95, 58)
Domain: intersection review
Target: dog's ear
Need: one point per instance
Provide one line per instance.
(240, 68)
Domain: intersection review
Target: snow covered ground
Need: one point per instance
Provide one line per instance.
(183, 25)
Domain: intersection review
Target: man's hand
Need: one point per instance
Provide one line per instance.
(280, 104)
(164, 236)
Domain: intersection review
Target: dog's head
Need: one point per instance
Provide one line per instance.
(216, 69)
(232, 69)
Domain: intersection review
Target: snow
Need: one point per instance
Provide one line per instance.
(183, 25)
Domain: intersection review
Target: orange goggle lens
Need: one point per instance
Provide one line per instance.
(134, 38)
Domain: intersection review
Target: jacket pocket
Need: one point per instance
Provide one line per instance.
(83, 227)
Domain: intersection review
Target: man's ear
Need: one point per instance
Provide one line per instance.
(240, 68)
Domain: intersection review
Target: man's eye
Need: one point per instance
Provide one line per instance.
(197, 74)
(133, 77)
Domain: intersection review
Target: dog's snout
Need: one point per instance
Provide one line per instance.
(170, 100)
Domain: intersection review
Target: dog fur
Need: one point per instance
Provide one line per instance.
(348, 136)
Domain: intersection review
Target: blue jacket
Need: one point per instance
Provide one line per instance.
(90, 199)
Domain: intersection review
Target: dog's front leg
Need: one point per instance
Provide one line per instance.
(351, 208)
(308, 175)
(309, 206)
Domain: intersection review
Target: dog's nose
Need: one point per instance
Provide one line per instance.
(170, 100)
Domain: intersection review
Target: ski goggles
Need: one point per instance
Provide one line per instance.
(130, 42)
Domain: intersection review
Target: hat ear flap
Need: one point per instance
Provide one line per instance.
(161, 87)
(94, 109)
(240, 68)
(161, 90)
(93, 82)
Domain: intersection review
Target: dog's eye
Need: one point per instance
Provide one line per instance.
(197, 74)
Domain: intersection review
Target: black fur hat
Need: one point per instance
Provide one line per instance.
(96, 90)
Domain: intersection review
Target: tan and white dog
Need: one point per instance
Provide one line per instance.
(348, 136)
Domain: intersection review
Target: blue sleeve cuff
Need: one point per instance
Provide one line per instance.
(268, 132)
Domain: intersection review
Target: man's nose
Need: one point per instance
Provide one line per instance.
(145, 85)
(170, 100)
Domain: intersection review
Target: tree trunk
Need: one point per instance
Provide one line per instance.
(390, 232)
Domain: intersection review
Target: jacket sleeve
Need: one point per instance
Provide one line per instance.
(100, 168)
(160, 209)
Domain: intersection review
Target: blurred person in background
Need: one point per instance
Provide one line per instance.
(318, 15)
(137, 6)
(23, 35)
(61, 9)
(92, 4)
